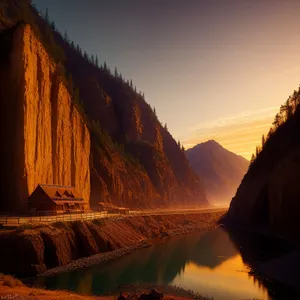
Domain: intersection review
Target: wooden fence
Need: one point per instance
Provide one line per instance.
(16, 221)
(12, 221)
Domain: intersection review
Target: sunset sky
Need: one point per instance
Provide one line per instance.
(213, 69)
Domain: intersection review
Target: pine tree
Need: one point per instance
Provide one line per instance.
(179, 144)
(116, 73)
(263, 141)
(271, 132)
(131, 85)
(166, 126)
(154, 111)
(85, 56)
(257, 151)
(46, 15)
(252, 159)
(277, 121)
(92, 59)
(105, 66)
(66, 36)
(97, 61)
(182, 148)
(289, 110)
(53, 26)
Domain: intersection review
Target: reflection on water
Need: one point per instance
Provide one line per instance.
(209, 264)
(226, 281)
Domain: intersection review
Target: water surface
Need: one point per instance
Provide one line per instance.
(209, 264)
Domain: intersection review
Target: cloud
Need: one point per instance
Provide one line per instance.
(240, 133)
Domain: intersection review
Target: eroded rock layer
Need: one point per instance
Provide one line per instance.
(46, 138)
(32, 251)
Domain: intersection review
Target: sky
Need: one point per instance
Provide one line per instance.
(213, 69)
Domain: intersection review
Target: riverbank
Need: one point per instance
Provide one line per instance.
(14, 289)
(26, 293)
(274, 258)
(61, 247)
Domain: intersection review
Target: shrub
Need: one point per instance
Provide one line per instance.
(10, 281)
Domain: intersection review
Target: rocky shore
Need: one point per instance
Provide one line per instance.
(62, 247)
(26, 293)
(14, 289)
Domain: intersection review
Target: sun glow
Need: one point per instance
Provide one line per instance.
(228, 276)
(240, 134)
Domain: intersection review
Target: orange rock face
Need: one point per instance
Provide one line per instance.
(50, 141)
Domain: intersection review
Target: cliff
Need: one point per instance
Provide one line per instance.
(134, 160)
(150, 170)
(269, 193)
(46, 140)
(221, 170)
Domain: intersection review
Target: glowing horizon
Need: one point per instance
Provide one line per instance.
(239, 134)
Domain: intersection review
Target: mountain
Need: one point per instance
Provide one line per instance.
(66, 104)
(269, 193)
(220, 169)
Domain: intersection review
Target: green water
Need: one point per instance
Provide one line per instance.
(209, 264)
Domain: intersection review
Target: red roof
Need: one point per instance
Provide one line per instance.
(61, 193)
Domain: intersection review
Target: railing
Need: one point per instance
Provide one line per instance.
(16, 221)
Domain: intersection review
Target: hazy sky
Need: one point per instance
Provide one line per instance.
(212, 68)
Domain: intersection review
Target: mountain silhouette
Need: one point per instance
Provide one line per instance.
(220, 169)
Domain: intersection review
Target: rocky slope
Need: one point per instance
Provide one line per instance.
(221, 170)
(45, 139)
(28, 252)
(269, 193)
(134, 161)
(146, 146)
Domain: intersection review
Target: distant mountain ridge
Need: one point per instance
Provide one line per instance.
(220, 169)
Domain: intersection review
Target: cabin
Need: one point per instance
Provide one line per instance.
(56, 199)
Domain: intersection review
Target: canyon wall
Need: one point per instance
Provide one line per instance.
(137, 162)
(46, 138)
(269, 193)
(134, 160)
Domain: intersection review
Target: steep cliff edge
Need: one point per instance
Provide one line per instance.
(134, 160)
(144, 144)
(46, 139)
(269, 193)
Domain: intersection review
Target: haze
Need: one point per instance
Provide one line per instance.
(213, 69)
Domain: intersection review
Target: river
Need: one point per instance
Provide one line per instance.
(209, 264)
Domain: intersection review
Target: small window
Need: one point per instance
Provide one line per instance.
(58, 194)
(66, 193)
